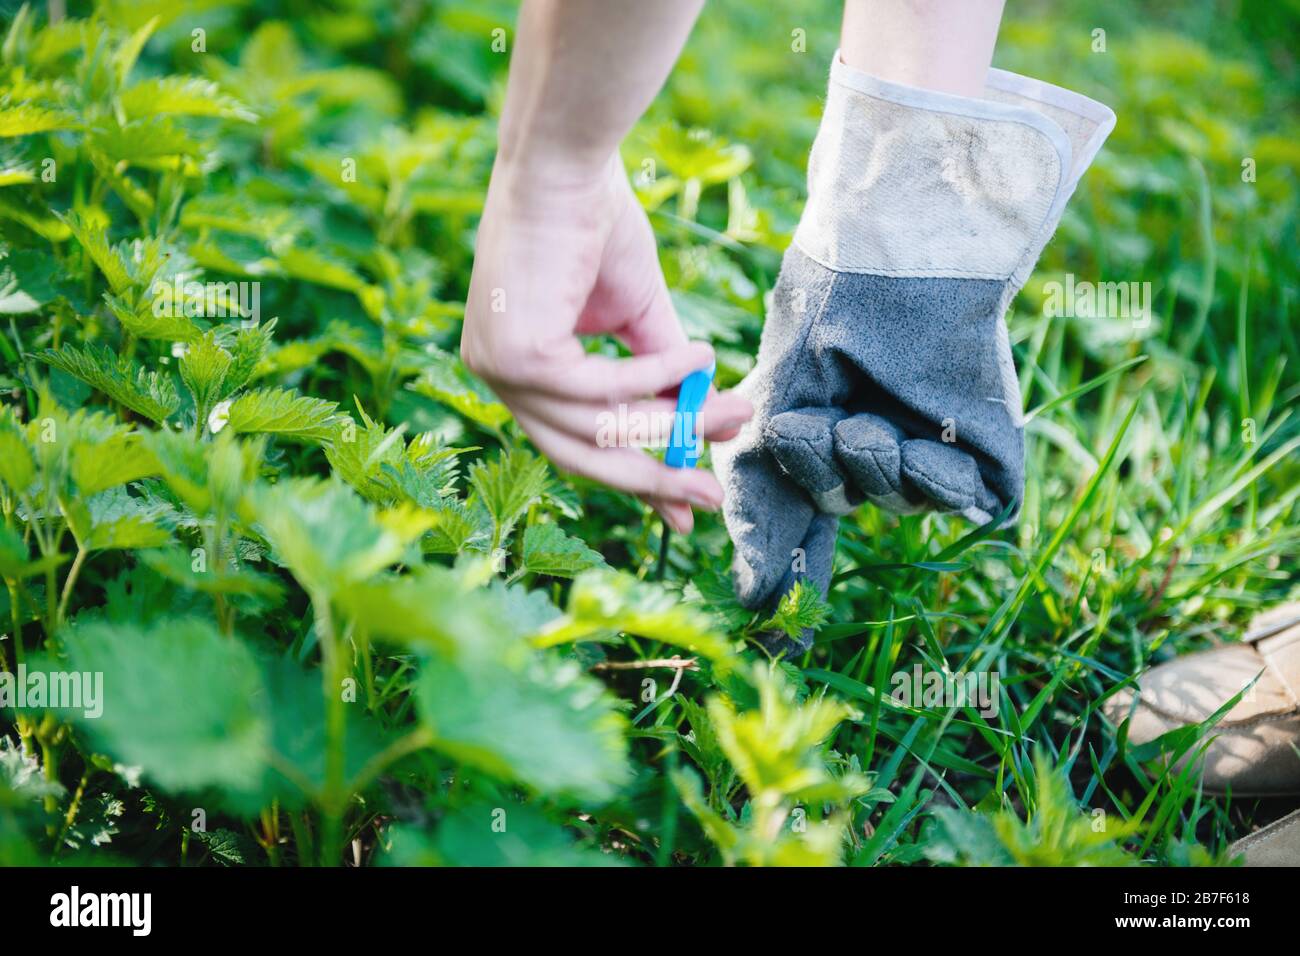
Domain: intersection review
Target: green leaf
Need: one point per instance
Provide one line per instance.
(800, 608)
(183, 462)
(250, 346)
(328, 537)
(111, 261)
(448, 381)
(181, 96)
(151, 394)
(229, 848)
(311, 265)
(179, 700)
(116, 460)
(1056, 832)
(126, 55)
(429, 608)
(17, 467)
(712, 592)
(359, 454)
(548, 550)
(180, 567)
(507, 486)
(486, 835)
(141, 319)
(459, 527)
(603, 603)
(114, 520)
(775, 748)
(25, 119)
(203, 369)
(545, 724)
(278, 411)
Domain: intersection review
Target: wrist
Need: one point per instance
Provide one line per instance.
(535, 178)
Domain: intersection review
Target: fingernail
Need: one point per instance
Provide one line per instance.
(704, 350)
(702, 500)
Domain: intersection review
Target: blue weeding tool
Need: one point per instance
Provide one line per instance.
(685, 443)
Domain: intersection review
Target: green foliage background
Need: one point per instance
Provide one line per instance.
(344, 615)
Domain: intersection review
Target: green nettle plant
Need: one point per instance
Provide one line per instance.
(284, 583)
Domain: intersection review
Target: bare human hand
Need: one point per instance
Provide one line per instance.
(560, 256)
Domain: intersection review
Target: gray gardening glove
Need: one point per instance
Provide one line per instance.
(885, 372)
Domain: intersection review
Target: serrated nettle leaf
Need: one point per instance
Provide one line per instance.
(24, 119)
(1055, 833)
(603, 603)
(548, 550)
(117, 460)
(507, 486)
(227, 847)
(109, 259)
(801, 608)
(446, 380)
(181, 96)
(183, 463)
(203, 369)
(459, 528)
(432, 608)
(429, 484)
(544, 723)
(277, 411)
(150, 394)
(724, 834)
(17, 466)
(359, 455)
(206, 477)
(376, 462)
(145, 319)
(180, 700)
(312, 265)
(128, 52)
(563, 498)
(145, 143)
(774, 747)
(241, 215)
(210, 576)
(328, 536)
(114, 520)
(701, 744)
(711, 589)
(247, 351)
(774, 750)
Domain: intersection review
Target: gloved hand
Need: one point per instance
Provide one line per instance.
(885, 372)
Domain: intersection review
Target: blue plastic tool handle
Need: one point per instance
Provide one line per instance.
(685, 445)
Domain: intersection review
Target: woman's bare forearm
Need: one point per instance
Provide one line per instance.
(583, 71)
(944, 45)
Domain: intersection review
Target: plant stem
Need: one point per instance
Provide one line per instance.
(409, 743)
(15, 614)
(71, 816)
(335, 793)
(70, 581)
(302, 839)
(49, 767)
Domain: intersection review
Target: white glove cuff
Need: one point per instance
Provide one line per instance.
(910, 182)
